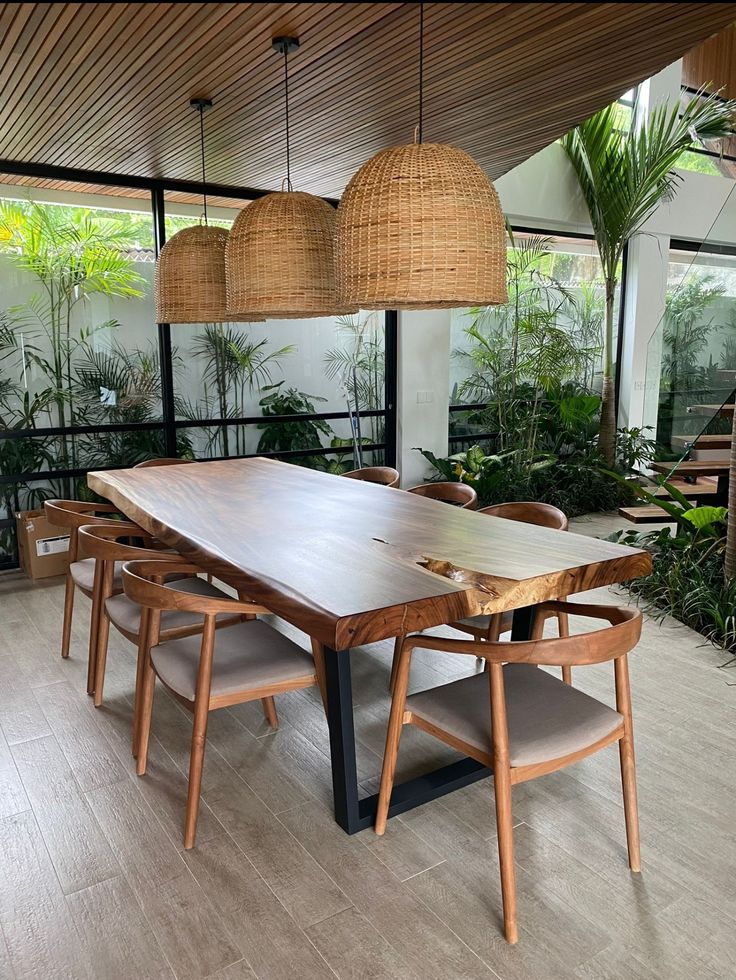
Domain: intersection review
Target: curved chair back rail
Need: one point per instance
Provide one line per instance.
(111, 542)
(386, 476)
(529, 512)
(143, 582)
(458, 494)
(522, 722)
(597, 646)
(162, 461)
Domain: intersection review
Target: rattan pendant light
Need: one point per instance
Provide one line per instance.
(420, 227)
(279, 256)
(189, 283)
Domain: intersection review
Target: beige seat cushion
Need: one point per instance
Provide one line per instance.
(546, 718)
(483, 622)
(83, 573)
(248, 656)
(126, 614)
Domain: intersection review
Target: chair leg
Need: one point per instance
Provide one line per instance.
(146, 709)
(144, 645)
(94, 626)
(199, 729)
(269, 710)
(563, 626)
(395, 663)
(103, 630)
(66, 630)
(628, 763)
(502, 792)
(402, 665)
(196, 765)
(318, 654)
(505, 829)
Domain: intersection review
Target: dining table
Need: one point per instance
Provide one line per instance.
(350, 563)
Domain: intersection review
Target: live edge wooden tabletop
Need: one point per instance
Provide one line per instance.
(351, 562)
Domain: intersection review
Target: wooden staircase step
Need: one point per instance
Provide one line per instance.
(702, 442)
(686, 489)
(725, 411)
(694, 467)
(648, 514)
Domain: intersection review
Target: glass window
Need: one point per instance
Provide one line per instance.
(549, 334)
(263, 371)
(78, 346)
(691, 360)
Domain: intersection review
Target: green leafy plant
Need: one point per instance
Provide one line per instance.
(234, 366)
(624, 176)
(360, 362)
(279, 437)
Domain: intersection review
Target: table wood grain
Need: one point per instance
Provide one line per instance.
(351, 562)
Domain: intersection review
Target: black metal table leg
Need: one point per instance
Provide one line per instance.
(351, 812)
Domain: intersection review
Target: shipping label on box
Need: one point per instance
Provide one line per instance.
(52, 546)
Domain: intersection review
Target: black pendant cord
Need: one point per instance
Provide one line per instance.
(204, 169)
(421, 70)
(286, 105)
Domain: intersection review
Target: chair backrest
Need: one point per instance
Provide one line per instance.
(162, 461)
(143, 582)
(73, 514)
(529, 512)
(387, 476)
(595, 647)
(112, 543)
(459, 494)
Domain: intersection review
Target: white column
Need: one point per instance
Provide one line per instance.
(423, 390)
(641, 354)
(646, 287)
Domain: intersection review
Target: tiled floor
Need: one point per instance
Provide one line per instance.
(94, 883)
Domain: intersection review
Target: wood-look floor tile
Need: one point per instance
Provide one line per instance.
(43, 942)
(139, 842)
(188, 929)
(21, 717)
(305, 889)
(236, 971)
(78, 849)
(13, 797)
(402, 851)
(389, 905)
(117, 936)
(90, 757)
(264, 932)
(355, 950)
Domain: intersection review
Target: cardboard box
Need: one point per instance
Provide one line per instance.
(43, 548)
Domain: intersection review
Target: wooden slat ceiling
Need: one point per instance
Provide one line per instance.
(106, 86)
(713, 64)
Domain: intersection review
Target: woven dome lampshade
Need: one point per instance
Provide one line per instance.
(189, 283)
(420, 227)
(279, 257)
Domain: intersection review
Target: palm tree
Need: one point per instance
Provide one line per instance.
(624, 176)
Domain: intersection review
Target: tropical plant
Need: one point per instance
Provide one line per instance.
(624, 176)
(296, 434)
(234, 366)
(686, 332)
(359, 365)
(74, 254)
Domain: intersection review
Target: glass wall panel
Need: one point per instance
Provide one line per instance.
(506, 360)
(261, 372)
(78, 347)
(691, 359)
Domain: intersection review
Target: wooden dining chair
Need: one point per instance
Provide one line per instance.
(246, 662)
(162, 461)
(521, 721)
(72, 515)
(387, 476)
(526, 512)
(109, 546)
(458, 494)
